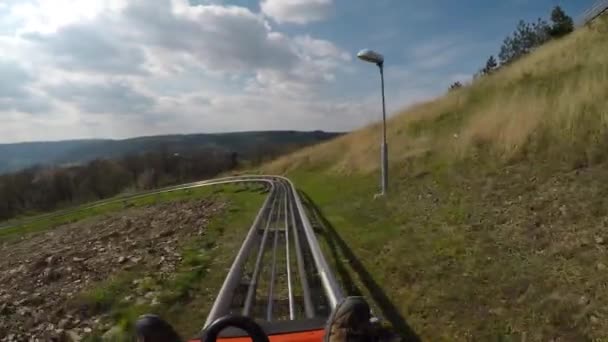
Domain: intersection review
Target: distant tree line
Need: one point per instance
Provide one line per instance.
(39, 189)
(526, 38)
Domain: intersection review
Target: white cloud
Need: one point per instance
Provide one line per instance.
(47, 16)
(318, 61)
(119, 68)
(231, 39)
(16, 94)
(296, 11)
(106, 97)
(114, 68)
(89, 47)
(320, 48)
(440, 51)
(141, 67)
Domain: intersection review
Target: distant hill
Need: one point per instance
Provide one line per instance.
(17, 156)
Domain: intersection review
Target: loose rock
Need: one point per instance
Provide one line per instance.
(113, 334)
(63, 323)
(72, 336)
(37, 290)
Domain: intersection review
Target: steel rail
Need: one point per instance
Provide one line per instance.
(273, 269)
(258, 262)
(330, 284)
(290, 298)
(225, 295)
(308, 307)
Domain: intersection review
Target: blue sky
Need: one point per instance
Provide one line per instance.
(122, 68)
(436, 40)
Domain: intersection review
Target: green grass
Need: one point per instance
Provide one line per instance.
(186, 296)
(504, 253)
(51, 220)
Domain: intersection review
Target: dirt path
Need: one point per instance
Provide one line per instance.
(41, 275)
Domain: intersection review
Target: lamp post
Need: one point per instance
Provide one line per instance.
(376, 58)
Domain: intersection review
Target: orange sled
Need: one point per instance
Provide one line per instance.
(244, 329)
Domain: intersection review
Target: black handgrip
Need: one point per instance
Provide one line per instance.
(247, 324)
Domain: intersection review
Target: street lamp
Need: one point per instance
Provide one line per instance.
(378, 59)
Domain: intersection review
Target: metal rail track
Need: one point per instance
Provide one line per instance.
(261, 282)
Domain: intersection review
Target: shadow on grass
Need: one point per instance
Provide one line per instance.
(338, 246)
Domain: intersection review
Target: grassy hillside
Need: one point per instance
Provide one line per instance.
(495, 227)
(550, 103)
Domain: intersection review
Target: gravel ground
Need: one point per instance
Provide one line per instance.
(41, 275)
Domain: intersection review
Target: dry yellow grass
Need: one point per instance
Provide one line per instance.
(553, 99)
